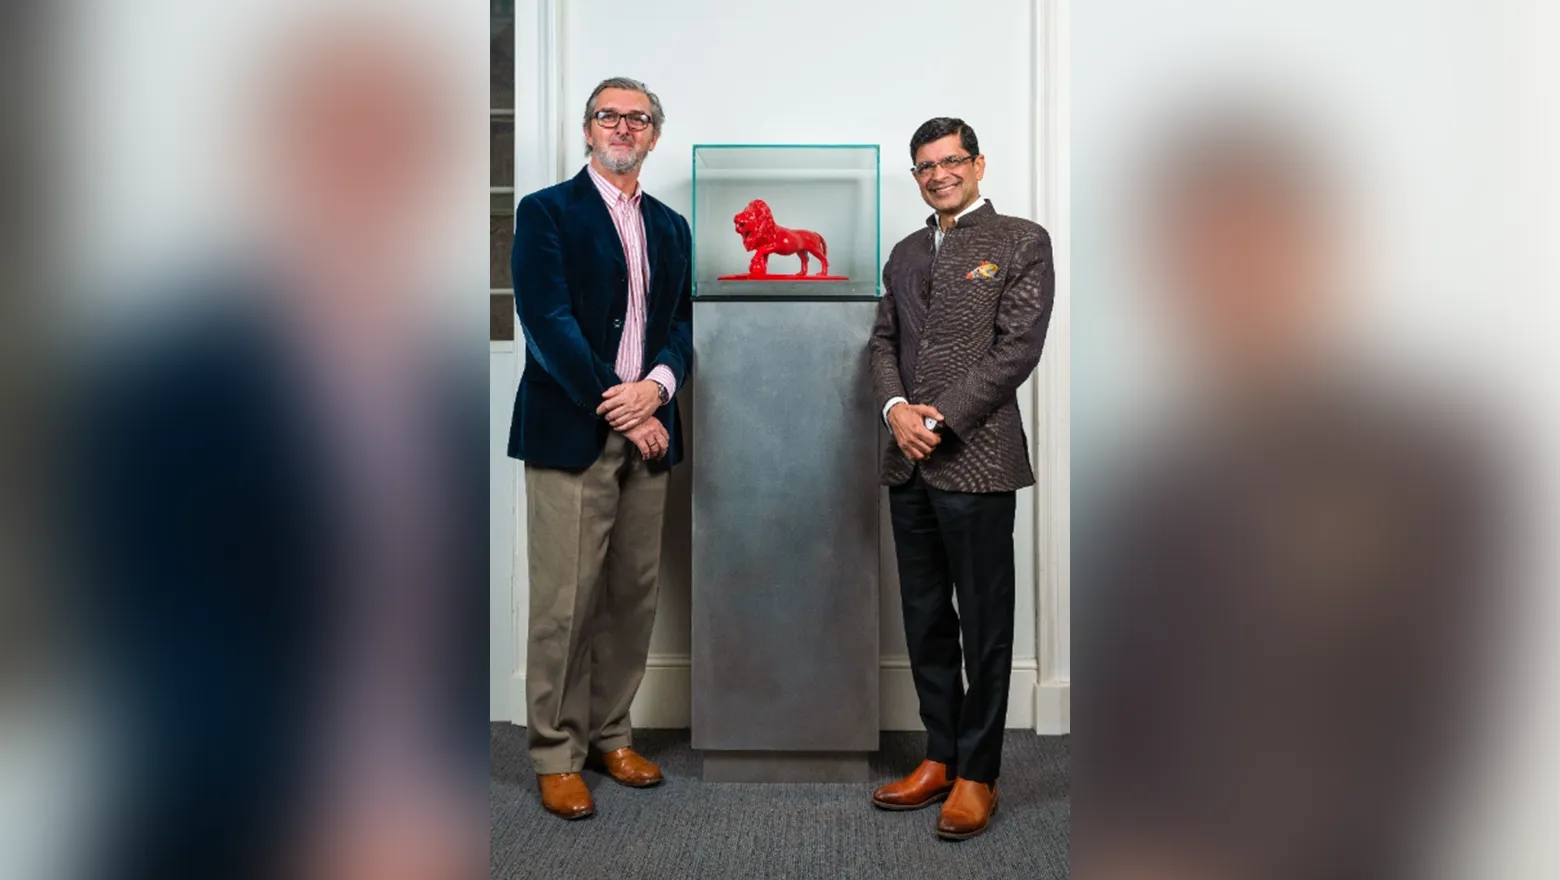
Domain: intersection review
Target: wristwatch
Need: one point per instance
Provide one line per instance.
(660, 393)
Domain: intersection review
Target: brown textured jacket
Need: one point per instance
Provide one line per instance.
(949, 336)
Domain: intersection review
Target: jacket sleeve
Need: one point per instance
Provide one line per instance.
(552, 334)
(883, 347)
(1022, 318)
(677, 354)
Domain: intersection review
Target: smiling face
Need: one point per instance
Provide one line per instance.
(620, 149)
(949, 190)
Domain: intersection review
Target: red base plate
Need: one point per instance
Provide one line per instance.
(782, 278)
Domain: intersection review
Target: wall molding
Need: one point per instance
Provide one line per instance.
(1053, 708)
(900, 710)
(1052, 388)
(538, 163)
(539, 96)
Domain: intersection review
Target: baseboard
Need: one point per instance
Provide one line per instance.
(1053, 708)
(900, 710)
(665, 697)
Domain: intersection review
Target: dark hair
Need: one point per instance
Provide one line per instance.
(941, 127)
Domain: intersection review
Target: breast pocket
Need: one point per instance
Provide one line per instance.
(977, 304)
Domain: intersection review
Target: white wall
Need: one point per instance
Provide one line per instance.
(813, 71)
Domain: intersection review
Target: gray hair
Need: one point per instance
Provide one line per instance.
(657, 115)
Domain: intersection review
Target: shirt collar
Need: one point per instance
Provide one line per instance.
(976, 205)
(609, 190)
(973, 206)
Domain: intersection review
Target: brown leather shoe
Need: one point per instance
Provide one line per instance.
(629, 768)
(565, 795)
(926, 785)
(968, 810)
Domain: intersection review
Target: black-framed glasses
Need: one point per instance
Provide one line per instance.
(947, 163)
(609, 119)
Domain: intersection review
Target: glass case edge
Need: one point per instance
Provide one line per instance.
(693, 163)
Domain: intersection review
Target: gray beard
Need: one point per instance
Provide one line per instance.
(615, 164)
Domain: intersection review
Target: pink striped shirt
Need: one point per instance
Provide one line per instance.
(630, 223)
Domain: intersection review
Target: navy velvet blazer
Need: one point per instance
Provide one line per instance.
(571, 295)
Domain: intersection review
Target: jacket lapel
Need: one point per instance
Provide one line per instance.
(603, 233)
(935, 297)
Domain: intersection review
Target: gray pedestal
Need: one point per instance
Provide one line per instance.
(785, 540)
(785, 767)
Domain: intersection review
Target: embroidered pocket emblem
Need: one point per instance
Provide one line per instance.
(984, 270)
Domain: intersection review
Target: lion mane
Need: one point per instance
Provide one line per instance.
(757, 225)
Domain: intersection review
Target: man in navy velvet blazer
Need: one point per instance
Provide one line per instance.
(602, 286)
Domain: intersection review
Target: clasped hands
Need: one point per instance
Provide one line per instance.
(628, 409)
(908, 422)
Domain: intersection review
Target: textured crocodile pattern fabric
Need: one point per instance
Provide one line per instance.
(961, 327)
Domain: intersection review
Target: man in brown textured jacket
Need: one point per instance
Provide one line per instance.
(965, 305)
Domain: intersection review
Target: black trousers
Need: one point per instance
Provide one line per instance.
(947, 542)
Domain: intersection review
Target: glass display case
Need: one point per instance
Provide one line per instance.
(763, 212)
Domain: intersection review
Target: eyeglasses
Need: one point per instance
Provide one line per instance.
(609, 119)
(947, 163)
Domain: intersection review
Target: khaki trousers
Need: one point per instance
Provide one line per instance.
(595, 554)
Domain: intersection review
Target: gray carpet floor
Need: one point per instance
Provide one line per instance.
(685, 828)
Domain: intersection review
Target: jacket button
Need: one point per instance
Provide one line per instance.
(617, 323)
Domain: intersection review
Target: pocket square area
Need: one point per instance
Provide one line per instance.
(984, 270)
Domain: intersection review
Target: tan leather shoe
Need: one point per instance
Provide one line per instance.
(968, 809)
(629, 768)
(565, 795)
(926, 785)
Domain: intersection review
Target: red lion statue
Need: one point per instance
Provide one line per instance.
(756, 225)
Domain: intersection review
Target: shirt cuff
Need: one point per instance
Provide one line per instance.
(662, 375)
(890, 405)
